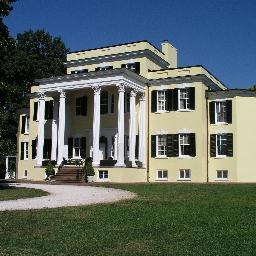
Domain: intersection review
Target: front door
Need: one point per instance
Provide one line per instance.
(102, 151)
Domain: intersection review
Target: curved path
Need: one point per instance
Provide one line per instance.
(65, 195)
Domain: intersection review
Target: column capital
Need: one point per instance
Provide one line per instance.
(121, 87)
(62, 94)
(142, 97)
(133, 93)
(41, 95)
(96, 89)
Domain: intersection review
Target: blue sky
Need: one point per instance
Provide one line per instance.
(219, 34)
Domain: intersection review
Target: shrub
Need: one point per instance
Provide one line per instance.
(88, 169)
(49, 171)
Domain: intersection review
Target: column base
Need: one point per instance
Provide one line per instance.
(134, 164)
(120, 165)
(95, 164)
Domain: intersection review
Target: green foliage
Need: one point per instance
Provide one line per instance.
(49, 171)
(88, 168)
(32, 55)
(253, 87)
(165, 219)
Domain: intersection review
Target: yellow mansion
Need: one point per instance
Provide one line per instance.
(141, 119)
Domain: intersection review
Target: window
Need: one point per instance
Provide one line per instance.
(81, 106)
(48, 110)
(161, 101)
(220, 112)
(104, 68)
(162, 175)
(222, 175)
(184, 99)
(112, 103)
(221, 145)
(135, 67)
(184, 174)
(35, 114)
(77, 148)
(24, 124)
(24, 151)
(161, 145)
(103, 175)
(184, 144)
(79, 71)
(126, 102)
(104, 102)
(25, 173)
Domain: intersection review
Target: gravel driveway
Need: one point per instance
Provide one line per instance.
(65, 195)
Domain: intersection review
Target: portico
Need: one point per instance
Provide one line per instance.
(123, 81)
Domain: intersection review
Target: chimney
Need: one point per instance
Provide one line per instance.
(170, 54)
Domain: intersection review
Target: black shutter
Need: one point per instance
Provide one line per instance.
(169, 98)
(123, 65)
(229, 111)
(153, 145)
(212, 112)
(154, 101)
(34, 144)
(137, 67)
(213, 145)
(84, 106)
(70, 147)
(192, 98)
(172, 145)
(22, 151)
(192, 140)
(229, 144)
(23, 124)
(175, 99)
(83, 147)
(35, 111)
(46, 113)
(137, 147)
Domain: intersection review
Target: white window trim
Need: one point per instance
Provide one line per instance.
(215, 113)
(184, 179)
(80, 140)
(180, 155)
(185, 109)
(161, 179)
(157, 105)
(217, 155)
(103, 179)
(221, 179)
(26, 132)
(157, 155)
(25, 150)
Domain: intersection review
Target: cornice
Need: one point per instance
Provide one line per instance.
(118, 57)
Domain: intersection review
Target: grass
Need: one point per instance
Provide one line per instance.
(12, 193)
(166, 219)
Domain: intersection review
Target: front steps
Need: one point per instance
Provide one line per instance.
(69, 174)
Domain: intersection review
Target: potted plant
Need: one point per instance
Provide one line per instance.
(49, 171)
(88, 170)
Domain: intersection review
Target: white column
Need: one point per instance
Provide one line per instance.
(96, 126)
(7, 176)
(132, 128)
(61, 132)
(40, 141)
(120, 140)
(115, 147)
(54, 131)
(142, 132)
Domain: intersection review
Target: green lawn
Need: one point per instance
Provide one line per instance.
(166, 219)
(11, 193)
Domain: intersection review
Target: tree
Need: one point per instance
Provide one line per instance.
(32, 55)
(253, 87)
